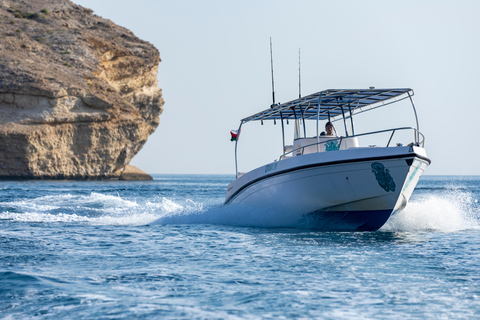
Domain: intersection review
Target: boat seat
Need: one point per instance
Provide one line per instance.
(331, 144)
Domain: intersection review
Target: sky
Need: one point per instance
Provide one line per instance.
(215, 70)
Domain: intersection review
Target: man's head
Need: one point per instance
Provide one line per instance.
(329, 128)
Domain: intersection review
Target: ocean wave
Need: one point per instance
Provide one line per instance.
(442, 188)
(42, 217)
(96, 208)
(51, 202)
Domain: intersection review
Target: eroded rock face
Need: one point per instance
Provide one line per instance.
(78, 94)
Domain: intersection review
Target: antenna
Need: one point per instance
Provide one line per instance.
(299, 78)
(271, 61)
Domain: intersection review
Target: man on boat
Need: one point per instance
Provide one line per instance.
(329, 129)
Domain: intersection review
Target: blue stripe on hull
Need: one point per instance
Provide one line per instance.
(370, 220)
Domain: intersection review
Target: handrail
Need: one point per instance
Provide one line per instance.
(391, 136)
(416, 132)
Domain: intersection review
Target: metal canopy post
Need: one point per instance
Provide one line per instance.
(351, 119)
(303, 121)
(417, 137)
(236, 144)
(297, 129)
(283, 133)
(318, 116)
(344, 121)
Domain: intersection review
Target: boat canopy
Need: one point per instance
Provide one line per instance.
(332, 104)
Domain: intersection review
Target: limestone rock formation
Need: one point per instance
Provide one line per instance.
(133, 174)
(78, 94)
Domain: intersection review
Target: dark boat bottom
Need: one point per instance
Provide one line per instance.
(370, 220)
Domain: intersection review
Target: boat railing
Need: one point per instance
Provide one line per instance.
(419, 140)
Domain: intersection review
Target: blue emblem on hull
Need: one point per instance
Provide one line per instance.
(383, 176)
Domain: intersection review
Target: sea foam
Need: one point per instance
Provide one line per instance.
(449, 212)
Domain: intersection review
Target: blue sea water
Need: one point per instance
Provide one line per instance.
(166, 249)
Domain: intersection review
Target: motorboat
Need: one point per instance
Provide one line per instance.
(349, 181)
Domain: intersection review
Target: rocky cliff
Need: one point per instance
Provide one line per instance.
(78, 94)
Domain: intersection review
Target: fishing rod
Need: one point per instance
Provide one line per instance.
(271, 63)
(273, 97)
(299, 78)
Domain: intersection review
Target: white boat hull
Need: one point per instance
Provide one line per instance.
(354, 189)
